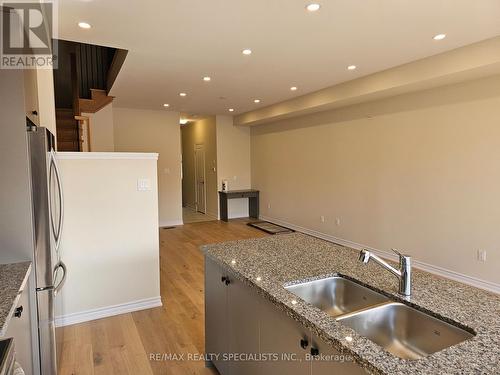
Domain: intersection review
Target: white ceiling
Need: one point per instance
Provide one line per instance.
(174, 43)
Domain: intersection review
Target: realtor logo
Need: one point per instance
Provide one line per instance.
(27, 33)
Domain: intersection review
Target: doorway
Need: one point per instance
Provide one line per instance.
(199, 170)
(200, 187)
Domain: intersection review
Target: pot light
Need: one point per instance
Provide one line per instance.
(166, 105)
(256, 101)
(183, 121)
(439, 37)
(84, 25)
(313, 7)
(231, 109)
(182, 94)
(207, 79)
(246, 51)
(351, 67)
(293, 88)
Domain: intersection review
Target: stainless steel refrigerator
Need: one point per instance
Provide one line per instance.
(48, 217)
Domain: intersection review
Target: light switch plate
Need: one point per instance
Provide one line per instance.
(143, 184)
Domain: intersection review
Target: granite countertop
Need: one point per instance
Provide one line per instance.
(290, 258)
(13, 279)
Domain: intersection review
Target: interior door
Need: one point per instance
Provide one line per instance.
(199, 162)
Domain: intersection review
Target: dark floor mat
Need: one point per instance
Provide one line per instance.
(270, 227)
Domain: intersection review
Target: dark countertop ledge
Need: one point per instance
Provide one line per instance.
(290, 258)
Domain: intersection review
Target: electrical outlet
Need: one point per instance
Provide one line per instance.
(337, 221)
(269, 206)
(322, 218)
(481, 255)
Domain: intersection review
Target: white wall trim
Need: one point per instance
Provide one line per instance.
(104, 312)
(440, 271)
(171, 223)
(237, 215)
(107, 155)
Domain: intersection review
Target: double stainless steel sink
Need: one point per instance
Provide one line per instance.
(401, 330)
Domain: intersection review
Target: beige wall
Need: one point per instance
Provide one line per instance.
(110, 237)
(200, 132)
(101, 129)
(155, 131)
(419, 172)
(233, 161)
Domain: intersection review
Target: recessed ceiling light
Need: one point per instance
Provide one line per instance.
(231, 109)
(166, 105)
(439, 37)
(207, 79)
(313, 7)
(246, 51)
(84, 25)
(256, 101)
(182, 94)
(351, 67)
(293, 88)
(183, 121)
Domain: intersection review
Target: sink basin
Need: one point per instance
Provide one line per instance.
(336, 295)
(404, 331)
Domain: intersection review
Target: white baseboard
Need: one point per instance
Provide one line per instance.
(104, 312)
(171, 223)
(440, 271)
(238, 216)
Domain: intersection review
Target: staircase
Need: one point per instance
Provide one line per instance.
(98, 99)
(81, 84)
(67, 130)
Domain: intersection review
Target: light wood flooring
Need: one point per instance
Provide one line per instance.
(123, 344)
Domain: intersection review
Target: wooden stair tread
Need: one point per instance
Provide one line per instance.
(67, 130)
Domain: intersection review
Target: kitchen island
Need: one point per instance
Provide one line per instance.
(265, 266)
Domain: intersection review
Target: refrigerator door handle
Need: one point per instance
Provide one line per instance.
(54, 167)
(59, 286)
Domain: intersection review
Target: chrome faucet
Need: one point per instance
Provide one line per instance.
(403, 273)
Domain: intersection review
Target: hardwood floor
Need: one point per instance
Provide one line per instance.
(125, 344)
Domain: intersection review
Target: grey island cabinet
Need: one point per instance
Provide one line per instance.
(247, 335)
